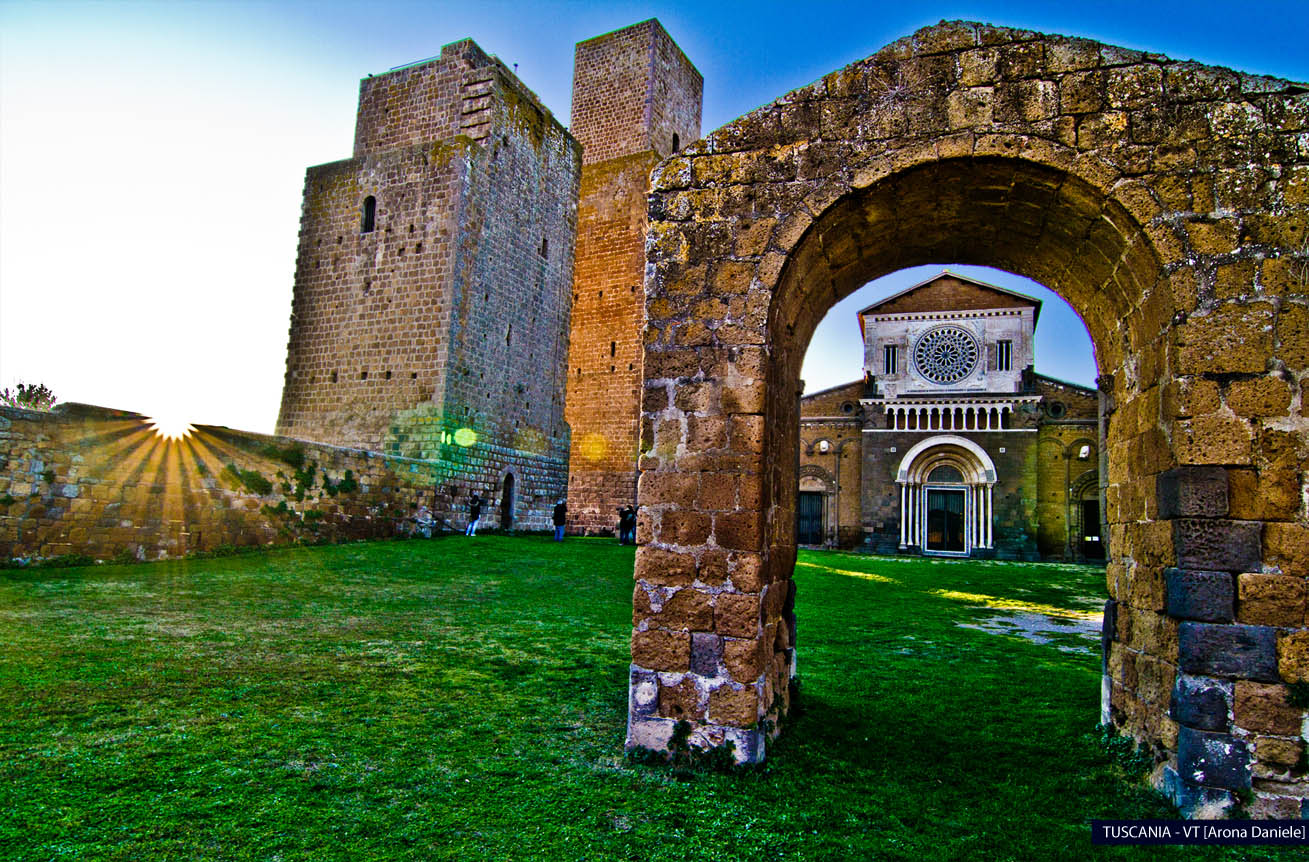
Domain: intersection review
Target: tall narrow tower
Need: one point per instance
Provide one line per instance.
(432, 287)
(636, 100)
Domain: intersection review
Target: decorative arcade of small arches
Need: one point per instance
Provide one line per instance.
(969, 417)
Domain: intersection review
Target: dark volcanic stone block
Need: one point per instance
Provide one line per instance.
(1201, 703)
(1213, 759)
(1192, 491)
(1207, 596)
(1220, 545)
(706, 651)
(1236, 651)
(1188, 796)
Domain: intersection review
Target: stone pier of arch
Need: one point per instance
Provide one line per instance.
(1168, 203)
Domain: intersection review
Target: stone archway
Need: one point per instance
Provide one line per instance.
(1167, 202)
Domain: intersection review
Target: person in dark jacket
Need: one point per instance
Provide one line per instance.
(560, 518)
(627, 525)
(474, 514)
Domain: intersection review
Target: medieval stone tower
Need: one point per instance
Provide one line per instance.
(433, 284)
(636, 100)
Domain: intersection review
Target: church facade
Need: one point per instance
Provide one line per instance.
(952, 444)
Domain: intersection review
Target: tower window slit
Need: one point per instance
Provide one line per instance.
(368, 219)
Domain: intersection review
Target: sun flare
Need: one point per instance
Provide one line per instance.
(171, 427)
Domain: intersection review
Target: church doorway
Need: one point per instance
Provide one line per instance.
(945, 521)
(1092, 545)
(809, 518)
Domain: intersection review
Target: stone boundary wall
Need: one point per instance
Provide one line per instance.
(101, 483)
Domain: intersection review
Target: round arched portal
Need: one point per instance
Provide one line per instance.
(925, 154)
(945, 484)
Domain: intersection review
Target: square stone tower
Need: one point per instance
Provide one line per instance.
(636, 100)
(433, 282)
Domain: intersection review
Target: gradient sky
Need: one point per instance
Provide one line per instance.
(152, 157)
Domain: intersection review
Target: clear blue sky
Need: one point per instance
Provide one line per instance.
(152, 154)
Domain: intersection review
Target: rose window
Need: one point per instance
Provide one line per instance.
(946, 354)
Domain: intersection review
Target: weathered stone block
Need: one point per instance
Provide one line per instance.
(1270, 600)
(679, 527)
(680, 701)
(704, 433)
(1232, 338)
(1191, 396)
(658, 567)
(1154, 680)
(1285, 753)
(735, 707)
(737, 530)
(1193, 595)
(747, 572)
(1192, 491)
(1213, 759)
(736, 615)
(676, 489)
(1194, 800)
(686, 610)
(1287, 547)
(706, 653)
(1266, 709)
(1293, 335)
(1213, 438)
(1262, 396)
(743, 659)
(1293, 656)
(1218, 545)
(652, 733)
(969, 108)
(643, 694)
(660, 650)
(712, 569)
(1201, 702)
(1240, 651)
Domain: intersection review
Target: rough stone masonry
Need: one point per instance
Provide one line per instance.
(1168, 203)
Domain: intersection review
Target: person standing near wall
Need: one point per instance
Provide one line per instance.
(474, 514)
(423, 522)
(627, 526)
(560, 518)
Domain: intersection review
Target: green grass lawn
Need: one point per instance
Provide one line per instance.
(466, 699)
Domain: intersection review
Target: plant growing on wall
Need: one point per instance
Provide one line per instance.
(29, 396)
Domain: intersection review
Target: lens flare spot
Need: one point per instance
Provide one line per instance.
(593, 446)
(465, 437)
(170, 427)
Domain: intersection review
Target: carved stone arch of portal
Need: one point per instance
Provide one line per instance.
(1085, 485)
(782, 213)
(815, 471)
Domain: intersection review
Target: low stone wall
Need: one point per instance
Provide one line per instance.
(100, 482)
